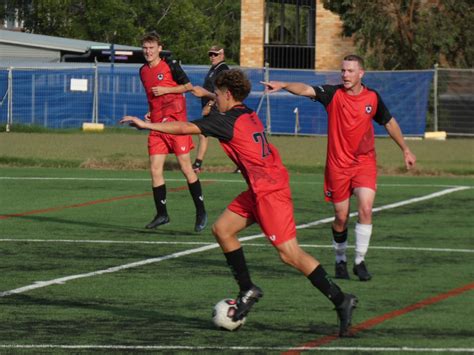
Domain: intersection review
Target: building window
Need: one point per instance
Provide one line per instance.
(290, 33)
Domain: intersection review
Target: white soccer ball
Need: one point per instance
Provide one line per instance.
(222, 315)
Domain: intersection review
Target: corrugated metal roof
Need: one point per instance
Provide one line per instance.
(52, 42)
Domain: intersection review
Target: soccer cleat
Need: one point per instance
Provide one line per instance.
(201, 222)
(341, 271)
(245, 301)
(344, 314)
(237, 171)
(158, 221)
(361, 271)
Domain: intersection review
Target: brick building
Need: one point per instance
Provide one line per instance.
(291, 34)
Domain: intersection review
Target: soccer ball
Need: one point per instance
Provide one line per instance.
(222, 315)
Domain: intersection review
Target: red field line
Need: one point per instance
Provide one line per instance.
(84, 204)
(370, 323)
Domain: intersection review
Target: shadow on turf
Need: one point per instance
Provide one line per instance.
(146, 318)
(113, 227)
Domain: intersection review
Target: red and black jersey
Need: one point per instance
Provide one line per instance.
(350, 129)
(242, 136)
(166, 73)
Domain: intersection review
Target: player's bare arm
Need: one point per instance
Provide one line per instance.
(175, 127)
(199, 91)
(395, 133)
(300, 89)
(179, 89)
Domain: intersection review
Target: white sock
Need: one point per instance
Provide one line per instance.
(340, 249)
(363, 233)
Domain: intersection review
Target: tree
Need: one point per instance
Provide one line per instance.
(187, 27)
(409, 34)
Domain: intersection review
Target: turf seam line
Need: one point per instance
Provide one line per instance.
(89, 203)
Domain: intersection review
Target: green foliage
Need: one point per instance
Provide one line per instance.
(409, 34)
(188, 27)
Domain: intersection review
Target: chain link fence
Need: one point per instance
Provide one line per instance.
(66, 96)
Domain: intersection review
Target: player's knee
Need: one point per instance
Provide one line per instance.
(365, 212)
(217, 231)
(341, 220)
(287, 258)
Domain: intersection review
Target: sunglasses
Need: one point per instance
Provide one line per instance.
(213, 54)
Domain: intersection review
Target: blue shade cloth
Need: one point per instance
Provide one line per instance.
(45, 97)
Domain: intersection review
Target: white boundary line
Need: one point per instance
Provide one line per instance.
(263, 245)
(207, 180)
(62, 280)
(244, 348)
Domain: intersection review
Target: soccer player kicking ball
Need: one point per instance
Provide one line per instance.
(267, 201)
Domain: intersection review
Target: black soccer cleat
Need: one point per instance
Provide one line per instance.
(158, 221)
(341, 271)
(344, 314)
(361, 271)
(245, 301)
(201, 222)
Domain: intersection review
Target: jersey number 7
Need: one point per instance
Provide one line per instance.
(261, 138)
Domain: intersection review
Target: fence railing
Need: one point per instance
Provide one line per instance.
(66, 96)
(454, 101)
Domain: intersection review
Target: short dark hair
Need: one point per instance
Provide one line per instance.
(152, 36)
(355, 58)
(236, 82)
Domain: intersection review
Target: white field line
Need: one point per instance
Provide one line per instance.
(41, 284)
(207, 180)
(392, 205)
(241, 348)
(263, 245)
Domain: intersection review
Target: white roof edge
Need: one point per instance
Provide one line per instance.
(34, 40)
(63, 48)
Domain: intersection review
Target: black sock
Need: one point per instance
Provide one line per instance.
(339, 237)
(238, 266)
(321, 280)
(159, 195)
(196, 193)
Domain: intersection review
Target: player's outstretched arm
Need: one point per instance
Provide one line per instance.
(175, 127)
(300, 89)
(395, 133)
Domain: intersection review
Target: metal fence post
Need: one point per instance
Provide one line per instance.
(435, 99)
(269, 118)
(10, 100)
(95, 102)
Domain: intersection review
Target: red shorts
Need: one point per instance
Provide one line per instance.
(162, 143)
(273, 212)
(339, 184)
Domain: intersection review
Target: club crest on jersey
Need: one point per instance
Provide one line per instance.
(160, 76)
(328, 193)
(368, 109)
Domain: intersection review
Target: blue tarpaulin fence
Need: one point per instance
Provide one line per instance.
(51, 97)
